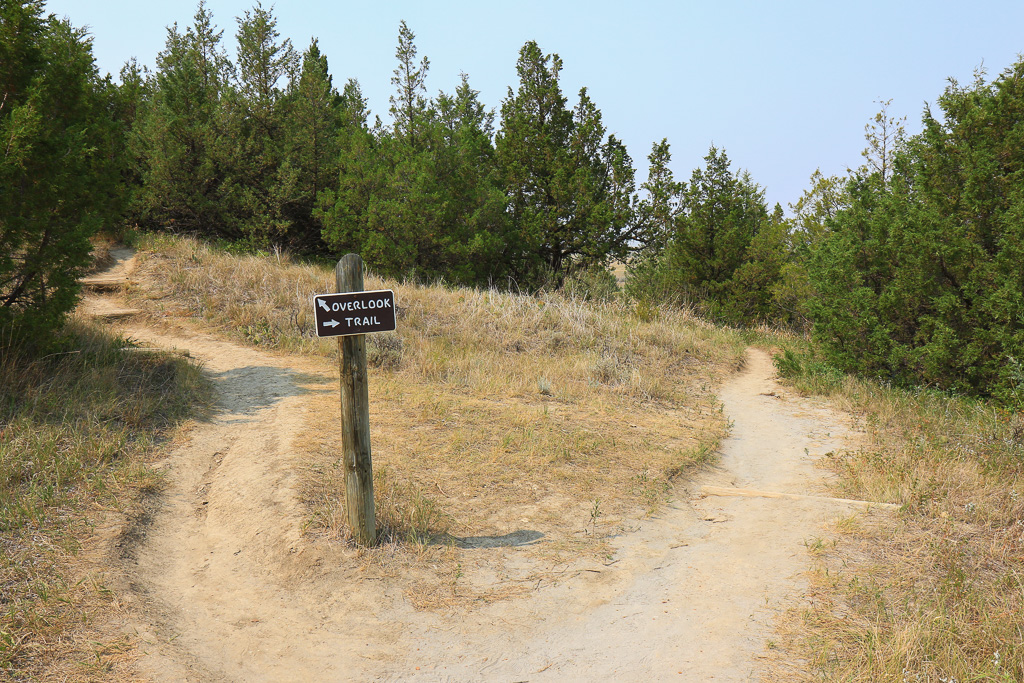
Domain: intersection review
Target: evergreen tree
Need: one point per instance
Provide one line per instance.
(661, 207)
(722, 212)
(657, 217)
(185, 148)
(422, 198)
(312, 143)
(385, 205)
(264, 61)
(818, 205)
(259, 185)
(135, 95)
(472, 212)
(58, 166)
(885, 136)
(812, 213)
(725, 253)
(409, 109)
(757, 289)
(920, 277)
(569, 190)
(345, 207)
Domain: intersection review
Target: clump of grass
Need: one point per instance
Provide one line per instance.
(384, 350)
(405, 513)
(75, 426)
(937, 592)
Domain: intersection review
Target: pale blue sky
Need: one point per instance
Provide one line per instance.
(783, 87)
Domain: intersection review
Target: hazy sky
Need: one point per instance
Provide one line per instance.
(783, 87)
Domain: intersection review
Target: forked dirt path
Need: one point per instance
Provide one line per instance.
(225, 587)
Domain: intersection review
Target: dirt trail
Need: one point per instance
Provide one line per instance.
(227, 588)
(691, 594)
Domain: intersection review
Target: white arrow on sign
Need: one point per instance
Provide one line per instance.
(323, 305)
(331, 323)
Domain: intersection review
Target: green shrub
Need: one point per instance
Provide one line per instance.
(58, 166)
(921, 280)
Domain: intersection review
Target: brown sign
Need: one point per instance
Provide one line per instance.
(354, 313)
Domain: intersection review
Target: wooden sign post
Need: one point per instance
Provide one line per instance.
(350, 315)
(355, 414)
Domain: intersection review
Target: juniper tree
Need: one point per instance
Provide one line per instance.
(920, 278)
(569, 188)
(312, 143)
(259, 186)
(59, 166)
(409, 106)
(186, 154)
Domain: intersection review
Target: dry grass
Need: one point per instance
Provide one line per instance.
(75, 427)
(494, 414)
(936, 593)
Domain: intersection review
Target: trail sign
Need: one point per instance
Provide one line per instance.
(349, 313)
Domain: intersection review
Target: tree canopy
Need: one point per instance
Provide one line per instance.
(908, 268)
(921, 277)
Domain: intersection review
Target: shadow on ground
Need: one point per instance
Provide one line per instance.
(512, 540)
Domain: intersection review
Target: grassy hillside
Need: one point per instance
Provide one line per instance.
(483, 404)
(496, 415)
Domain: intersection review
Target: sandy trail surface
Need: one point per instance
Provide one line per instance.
(225, 586)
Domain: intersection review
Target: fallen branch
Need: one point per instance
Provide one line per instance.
(751, 493)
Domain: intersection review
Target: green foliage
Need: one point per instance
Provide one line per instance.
(409, 107)
(919, 280)
(570, 189)
(183, 143)
(725, 251)
(238, 153)
(424, 198)
(808, 371)
(58, 169)
(270, 153)
(659, 211)
(258, 184)
(812, 212)
(312, 145)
